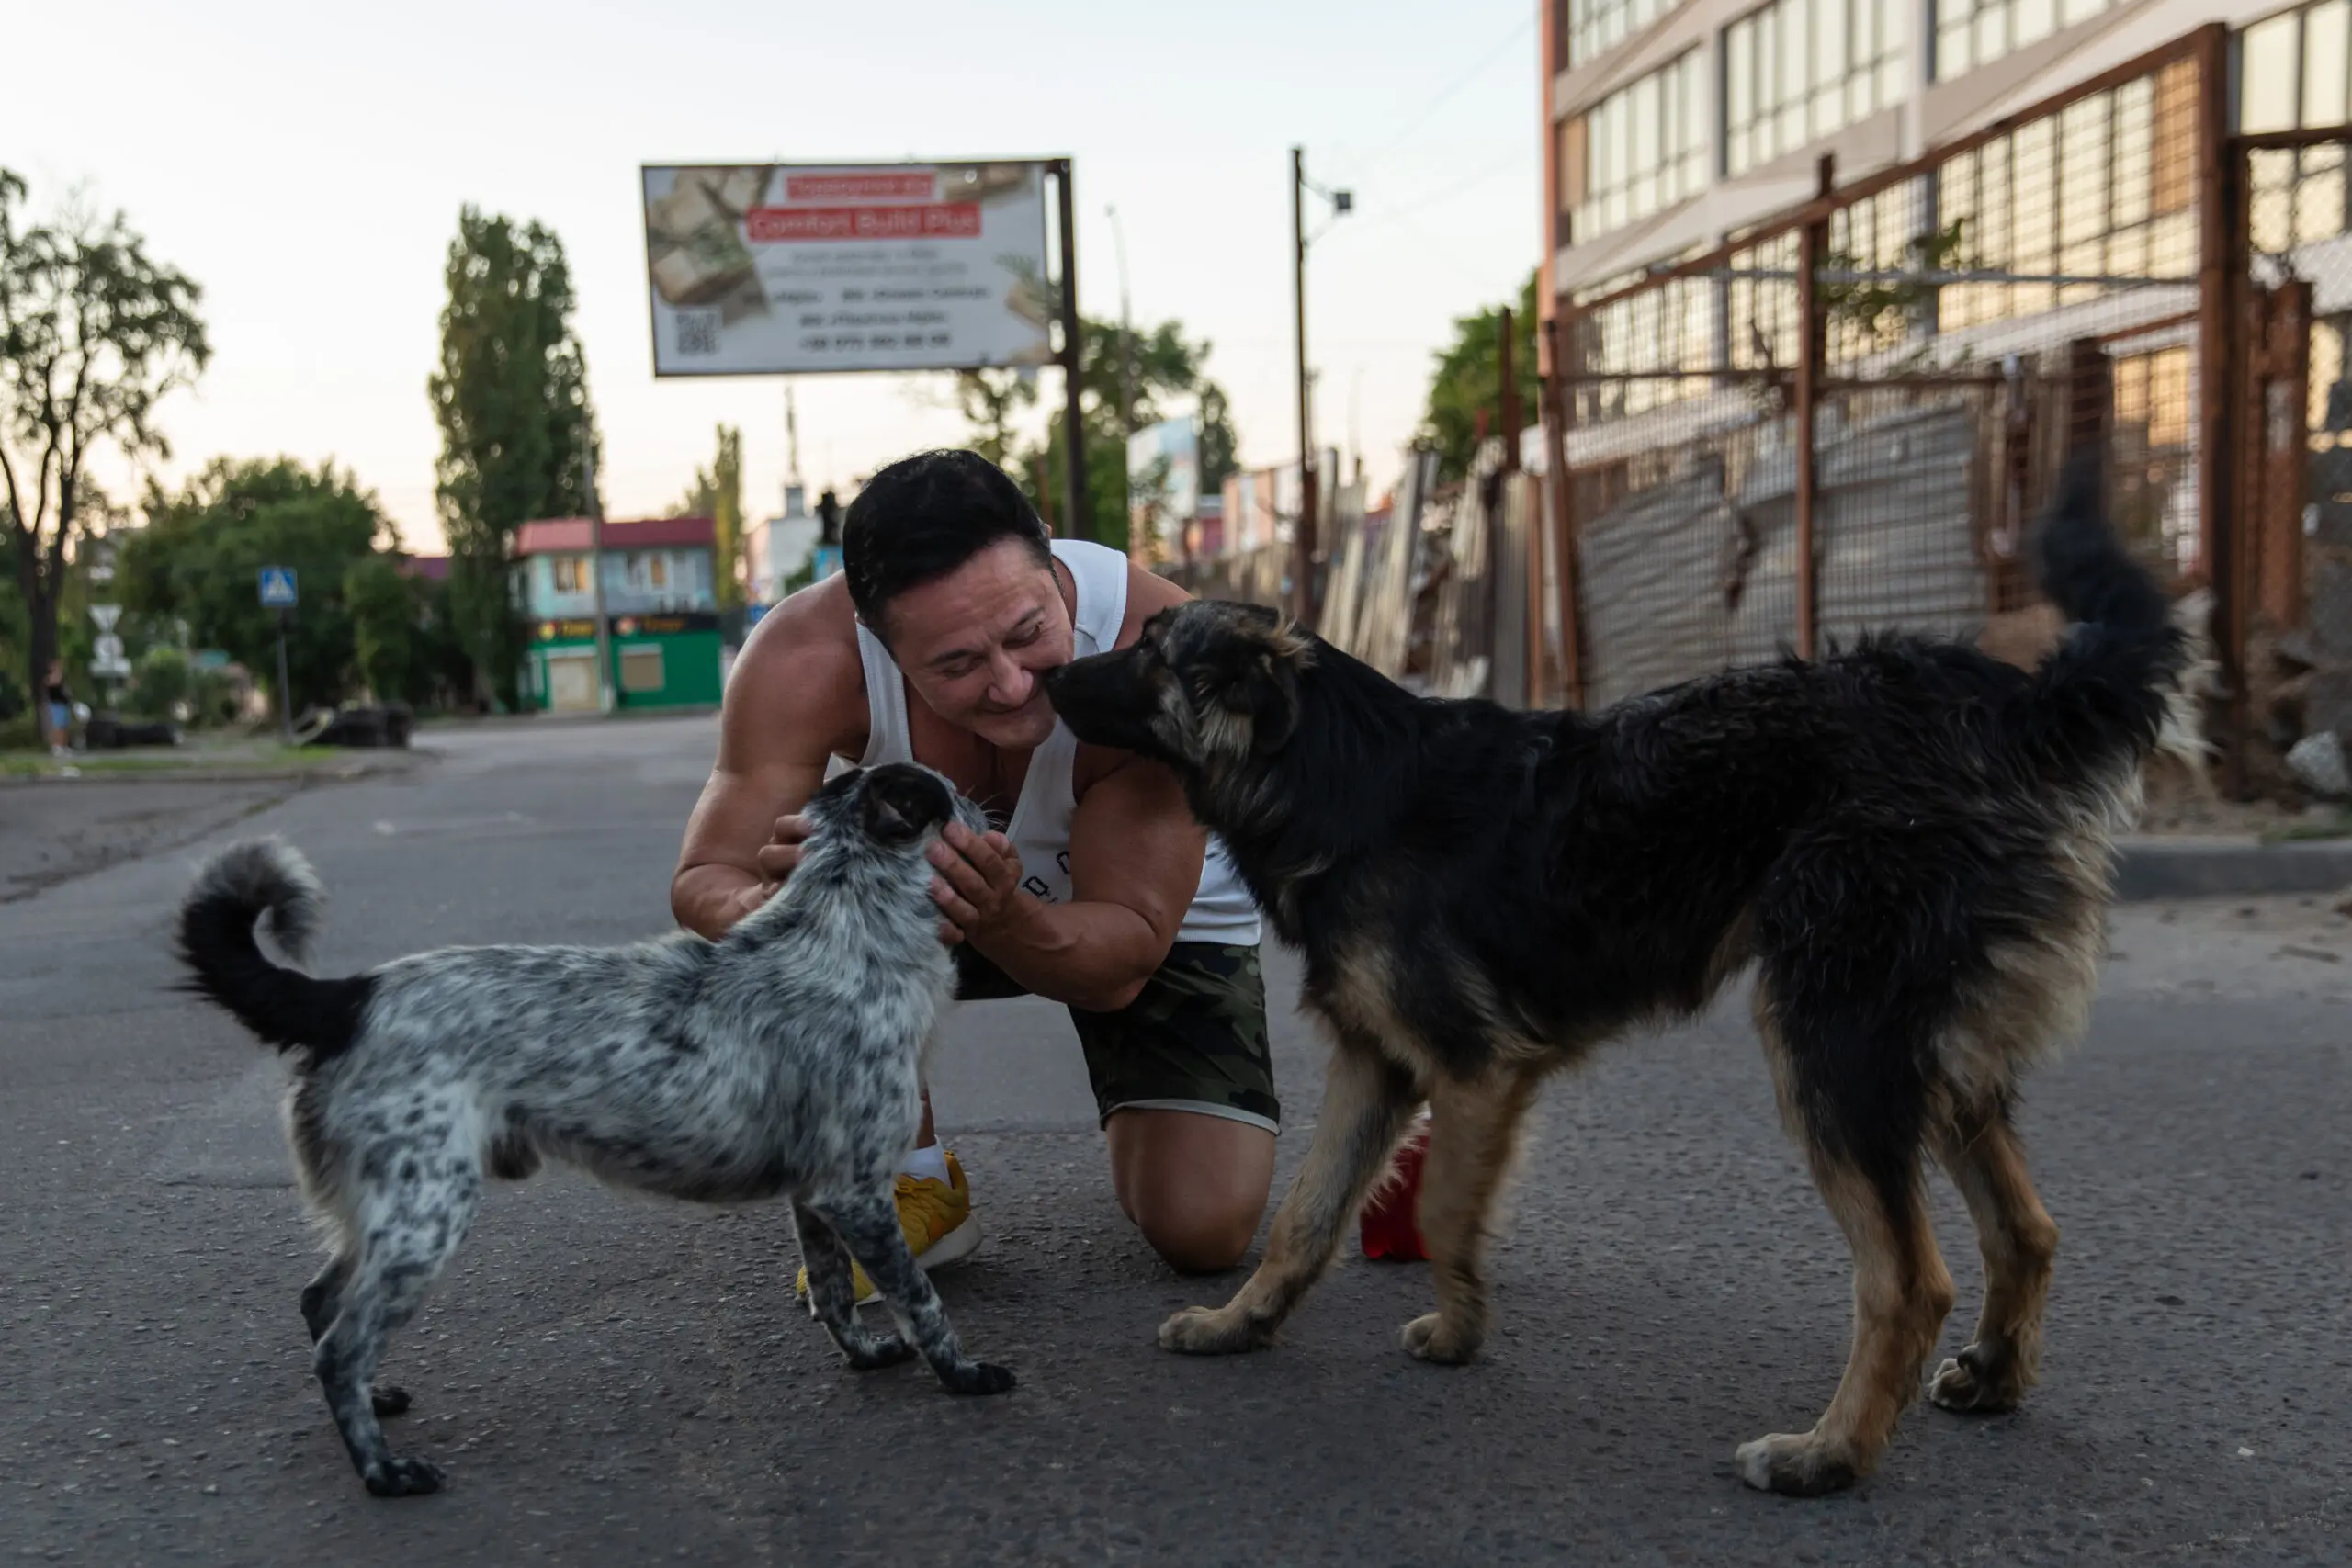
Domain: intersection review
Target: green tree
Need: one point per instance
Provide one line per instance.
(93, 335)
(518, 435)
(1469, 382)
(718, 494)
(1170, 371)
(384, 627)
(1876, 314)
(161, 681)
(199, 556)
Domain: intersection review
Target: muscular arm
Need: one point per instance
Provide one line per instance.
(797, 696)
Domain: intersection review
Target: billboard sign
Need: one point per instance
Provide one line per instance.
(775, 268)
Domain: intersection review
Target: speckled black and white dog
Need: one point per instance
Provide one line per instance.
(781, 1061)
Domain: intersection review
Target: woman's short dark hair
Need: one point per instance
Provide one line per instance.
(925, 516)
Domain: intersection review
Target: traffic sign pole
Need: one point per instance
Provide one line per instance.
(278, 593)
(285, 694)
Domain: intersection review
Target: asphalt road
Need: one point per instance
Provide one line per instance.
(613, 1380)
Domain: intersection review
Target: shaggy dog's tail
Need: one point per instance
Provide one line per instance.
(287, 1008)
(2106, 696)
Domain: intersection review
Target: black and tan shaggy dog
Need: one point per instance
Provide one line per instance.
(1909, 840)
(781, 1061)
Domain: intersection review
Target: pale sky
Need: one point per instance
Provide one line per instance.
(306, 164)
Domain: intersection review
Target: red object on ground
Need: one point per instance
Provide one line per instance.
(1388, 1223)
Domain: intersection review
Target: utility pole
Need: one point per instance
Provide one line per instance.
(1303, 595)
(604, 696)
(1303, 545)
(1509, 400)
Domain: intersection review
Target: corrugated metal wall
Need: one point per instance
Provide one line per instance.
(1680, 578)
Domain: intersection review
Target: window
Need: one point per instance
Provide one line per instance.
(2101, 190)
(1798, 70)
(1969, 33)
(570, 574)
(1595, 27)
(2295, 70)
(1637, 151)
(641, 668)
(646, 573)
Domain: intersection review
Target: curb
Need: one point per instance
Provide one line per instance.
(2211, 868)
(320, 773)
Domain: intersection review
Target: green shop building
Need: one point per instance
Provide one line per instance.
(660, 610)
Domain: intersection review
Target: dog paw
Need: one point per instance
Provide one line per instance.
(877, 1351)
(1981, 1381)
(401, 1478)
(388, 1399)
(1211, 1331)
(1795, 1464)
(977, 1378)
(1429, 1338)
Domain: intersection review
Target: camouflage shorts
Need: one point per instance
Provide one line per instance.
(1195, 1039)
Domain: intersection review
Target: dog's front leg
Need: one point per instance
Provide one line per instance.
(832, 1297)
(1473, 1129)
(867, 1225)
(1366, 1101)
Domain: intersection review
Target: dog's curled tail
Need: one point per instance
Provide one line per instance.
(2105, 696)
(234, 891)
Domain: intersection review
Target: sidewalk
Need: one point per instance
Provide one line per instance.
(2222, 865)
(208, 761)
(53, 833)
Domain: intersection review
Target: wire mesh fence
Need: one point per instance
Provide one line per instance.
(1845, 417)
(1843, 420)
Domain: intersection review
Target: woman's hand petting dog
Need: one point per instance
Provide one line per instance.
(978, 875)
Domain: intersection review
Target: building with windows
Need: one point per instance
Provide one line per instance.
(1786, 421)
(1674, 125)
(660, 609)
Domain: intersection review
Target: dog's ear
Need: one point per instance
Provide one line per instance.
(1273, 703)
(901, 805)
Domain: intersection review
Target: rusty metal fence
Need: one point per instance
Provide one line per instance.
(1845, 417)
(1844, 420)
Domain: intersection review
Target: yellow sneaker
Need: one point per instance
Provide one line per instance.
(936, 1218)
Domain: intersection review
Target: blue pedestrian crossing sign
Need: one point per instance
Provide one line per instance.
(277, 587)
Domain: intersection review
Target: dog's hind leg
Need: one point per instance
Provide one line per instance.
(425, 1196)
(867, 1225)
(1473, 1131)
(832, 1297)
(1367, 1100)
(2017, 1240)
(1851, 1088)
(323, 1299)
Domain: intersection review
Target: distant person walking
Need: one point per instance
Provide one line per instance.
(58, 703)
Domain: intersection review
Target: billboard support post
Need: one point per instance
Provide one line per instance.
(1078, 516)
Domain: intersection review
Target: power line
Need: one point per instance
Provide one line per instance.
(1457, 188)
(1486, 61)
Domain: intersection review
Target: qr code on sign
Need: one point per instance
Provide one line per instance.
(697, 332)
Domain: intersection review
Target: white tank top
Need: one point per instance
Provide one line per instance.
(1222, 909)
